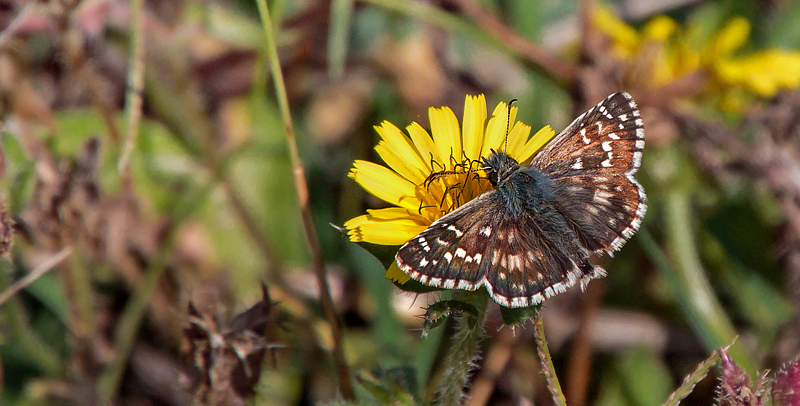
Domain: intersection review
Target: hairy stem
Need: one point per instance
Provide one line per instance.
(463, 352)
(547, 362)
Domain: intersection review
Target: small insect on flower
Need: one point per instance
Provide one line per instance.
(524, 232)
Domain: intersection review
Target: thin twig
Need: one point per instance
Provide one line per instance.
(587, 29)
(47, 265)
(133, 102)
(531, 52)
(301, 186)
(21, 335)
(547, 362)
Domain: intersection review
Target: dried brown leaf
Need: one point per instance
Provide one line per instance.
(226, 361)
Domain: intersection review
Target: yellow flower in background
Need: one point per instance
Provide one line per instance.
(413, 157)
(669, 51)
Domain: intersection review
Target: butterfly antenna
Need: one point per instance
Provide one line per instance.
(508, 124)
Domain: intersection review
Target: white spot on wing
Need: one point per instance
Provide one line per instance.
(455, 230)
(607, 146)
(637, 159)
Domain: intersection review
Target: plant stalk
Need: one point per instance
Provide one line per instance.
(301, 186)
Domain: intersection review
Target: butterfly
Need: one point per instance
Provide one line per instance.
(531, 236)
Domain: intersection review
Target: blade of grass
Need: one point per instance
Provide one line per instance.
(688, 281)
(133, 98)
(491, 33)
(345, 381)
(23, 338)
(341, 13)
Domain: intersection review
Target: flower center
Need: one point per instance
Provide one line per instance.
(448, 190)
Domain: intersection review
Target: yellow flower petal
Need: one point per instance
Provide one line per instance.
(424, 144)
(517, 137)
(385, 231)
(624, 36)
(393, 213)
(398, 152)
(395, 274)
(385, 184)
(732, 36)
(473, 126)
(660, 28)
(535, 143)
(446, 135)
(385, 226)
(495, 130)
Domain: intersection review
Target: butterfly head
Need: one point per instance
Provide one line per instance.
(498, 166)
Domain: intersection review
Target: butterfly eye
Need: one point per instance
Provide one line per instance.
(492, 175)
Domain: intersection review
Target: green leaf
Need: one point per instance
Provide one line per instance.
(339, 36)
(520, 315)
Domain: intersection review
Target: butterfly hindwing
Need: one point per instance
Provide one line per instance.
(604, 211)
(532, 260)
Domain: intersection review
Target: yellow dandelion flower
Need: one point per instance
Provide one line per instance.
(669, 53)
(413, 156)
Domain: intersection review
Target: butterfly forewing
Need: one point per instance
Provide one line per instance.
(606, 139)
(592, 162)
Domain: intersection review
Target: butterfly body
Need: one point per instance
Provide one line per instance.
(532, 235)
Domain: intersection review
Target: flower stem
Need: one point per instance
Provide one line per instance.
(463, 352)
(547, 362)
